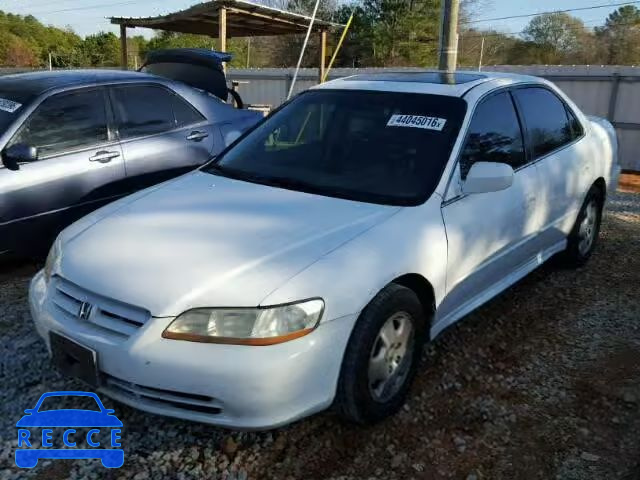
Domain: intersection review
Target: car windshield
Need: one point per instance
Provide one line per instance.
(64, 402)
(379, 147)
(10, 106)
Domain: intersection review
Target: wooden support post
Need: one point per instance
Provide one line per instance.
(323, 54)
(123, 47)
(222, 32)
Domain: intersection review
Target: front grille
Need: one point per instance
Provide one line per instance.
(160, 397)
(115, 317)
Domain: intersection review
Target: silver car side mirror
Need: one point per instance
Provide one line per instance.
(484, 177)
(18, 153)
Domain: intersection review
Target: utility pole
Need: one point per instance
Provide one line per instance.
(481, 55)
(448, 54)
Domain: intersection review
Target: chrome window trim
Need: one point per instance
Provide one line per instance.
(508, 88)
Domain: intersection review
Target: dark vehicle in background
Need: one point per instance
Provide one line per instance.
(71, 141)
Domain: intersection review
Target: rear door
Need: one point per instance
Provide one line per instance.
(79, 166)
(554, 136)
(161, 134)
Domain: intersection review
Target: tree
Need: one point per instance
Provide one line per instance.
(102, 50)
(17, 53)
(497, 47)
(620, 36)
(36, 39)
(559, 34)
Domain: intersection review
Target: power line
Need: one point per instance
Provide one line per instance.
(89, 7)
(567, 10)
(42, 3)
(504, 34)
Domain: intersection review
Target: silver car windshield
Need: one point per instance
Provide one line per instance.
(380, 147)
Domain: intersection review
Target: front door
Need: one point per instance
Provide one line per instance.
(162, 135)
(78, 168)
(489, 235)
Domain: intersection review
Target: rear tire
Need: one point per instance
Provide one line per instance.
(584, 235)
(382, 356)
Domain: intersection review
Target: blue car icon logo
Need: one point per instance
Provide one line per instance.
(59, 429)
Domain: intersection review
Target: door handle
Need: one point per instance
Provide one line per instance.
(197, 136)
(103, 156)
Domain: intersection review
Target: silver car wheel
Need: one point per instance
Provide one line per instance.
(391, 357)
(587, 232)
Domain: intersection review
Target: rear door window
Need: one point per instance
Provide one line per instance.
(143, 110)
(184, 113)
(494, 135)
(64, 122)
(546, 120)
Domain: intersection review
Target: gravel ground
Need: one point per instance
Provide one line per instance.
(543, 382)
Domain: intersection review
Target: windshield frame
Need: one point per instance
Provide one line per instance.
(213, 167)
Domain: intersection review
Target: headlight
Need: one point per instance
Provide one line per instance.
(247, 326)
(52, 259)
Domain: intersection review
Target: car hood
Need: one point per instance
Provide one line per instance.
(205, 240)
(69, 418)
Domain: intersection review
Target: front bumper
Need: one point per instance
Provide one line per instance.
(236, 386)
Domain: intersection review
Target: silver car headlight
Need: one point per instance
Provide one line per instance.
(247, 326)
(53, 258)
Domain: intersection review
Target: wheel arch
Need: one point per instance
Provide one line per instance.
(601, 184)
(423, 290)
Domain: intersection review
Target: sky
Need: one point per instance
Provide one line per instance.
(88, 16)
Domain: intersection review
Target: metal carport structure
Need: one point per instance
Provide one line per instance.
(224, 19)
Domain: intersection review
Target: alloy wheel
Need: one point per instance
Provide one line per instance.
(391, 356)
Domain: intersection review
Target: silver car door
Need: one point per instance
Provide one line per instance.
(161, 134)
(79, 166)
(490, 236)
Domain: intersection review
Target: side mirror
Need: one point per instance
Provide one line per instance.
(487, 177)
(17, 153)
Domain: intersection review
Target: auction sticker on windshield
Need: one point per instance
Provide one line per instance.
(417, 121)
(9, 105)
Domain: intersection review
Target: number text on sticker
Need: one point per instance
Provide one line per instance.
(417, 121)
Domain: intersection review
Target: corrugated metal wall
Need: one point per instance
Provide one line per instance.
(609, 92)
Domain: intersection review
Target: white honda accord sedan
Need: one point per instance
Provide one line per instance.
(307, 264)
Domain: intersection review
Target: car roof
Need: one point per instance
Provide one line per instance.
(25, 86)
(429, 81)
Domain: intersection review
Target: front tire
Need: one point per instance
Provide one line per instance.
(584, 235)
(382, 356)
